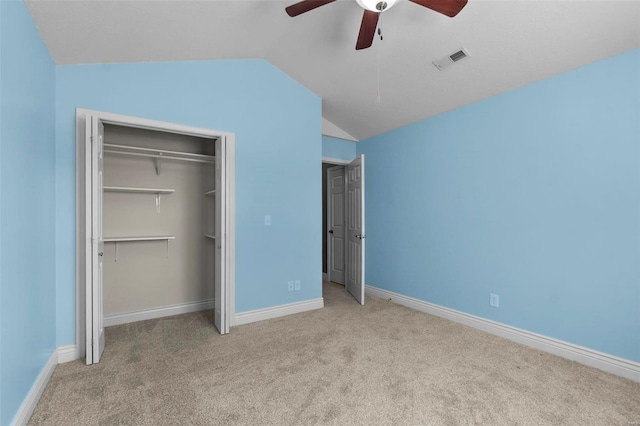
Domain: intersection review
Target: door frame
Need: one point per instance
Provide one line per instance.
(83, 205)
(332, 162)
(329, 233)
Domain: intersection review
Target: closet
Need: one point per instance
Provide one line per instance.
(155, 223)
(158, 213)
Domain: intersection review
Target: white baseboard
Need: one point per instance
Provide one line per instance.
(67, 353)
(278, 311)
(609, 363)
(165, 311)
(29, 404)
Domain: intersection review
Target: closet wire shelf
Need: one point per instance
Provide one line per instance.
(117, 240)
(131, 189)
(135, 190)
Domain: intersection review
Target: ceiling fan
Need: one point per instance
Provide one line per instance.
(372, 10)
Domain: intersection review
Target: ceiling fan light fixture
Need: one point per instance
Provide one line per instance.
(376, 5)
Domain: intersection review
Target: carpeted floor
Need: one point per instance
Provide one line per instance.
(345, 364)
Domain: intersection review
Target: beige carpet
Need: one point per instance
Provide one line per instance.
(344, 365)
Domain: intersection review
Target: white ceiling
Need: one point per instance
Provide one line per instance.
(511, 43)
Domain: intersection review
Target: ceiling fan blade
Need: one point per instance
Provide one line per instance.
(447, 7)
(305, 6)
(367, 29)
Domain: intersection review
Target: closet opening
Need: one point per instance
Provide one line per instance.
(155, 224)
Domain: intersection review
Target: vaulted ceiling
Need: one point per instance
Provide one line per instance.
(510, 43)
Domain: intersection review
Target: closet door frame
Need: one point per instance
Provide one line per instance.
(84, 217)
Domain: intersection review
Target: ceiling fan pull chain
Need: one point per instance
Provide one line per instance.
(378, 58)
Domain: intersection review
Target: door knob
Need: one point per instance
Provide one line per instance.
(101, 254)
(331, 232)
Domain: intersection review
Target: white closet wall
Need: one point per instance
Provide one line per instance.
(150, 274)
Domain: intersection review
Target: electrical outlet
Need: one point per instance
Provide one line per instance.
(297, 285)
(290, 285)
(494, 300)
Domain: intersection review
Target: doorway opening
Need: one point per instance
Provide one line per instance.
(198, 165)
(343, 224)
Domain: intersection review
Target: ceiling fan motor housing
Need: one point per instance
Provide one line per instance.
(376, 5)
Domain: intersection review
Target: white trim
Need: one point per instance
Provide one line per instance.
(342, 139)
(335, 161)
(278, 311)
(164, 311)
(80, 304)
(29, 404)
(609, 363)
(67, 353)
(143, 123)
(230, 167)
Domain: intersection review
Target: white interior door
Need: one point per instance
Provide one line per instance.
(221, 296)
(335, 227)
(355, 229)
(95, 320)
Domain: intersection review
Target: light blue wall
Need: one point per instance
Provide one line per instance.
(533, 195)
(338, 148)
(27, 284)
(277, 123)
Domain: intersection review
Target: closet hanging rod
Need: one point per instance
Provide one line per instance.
(157, 153)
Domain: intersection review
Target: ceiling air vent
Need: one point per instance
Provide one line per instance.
(447, 61)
